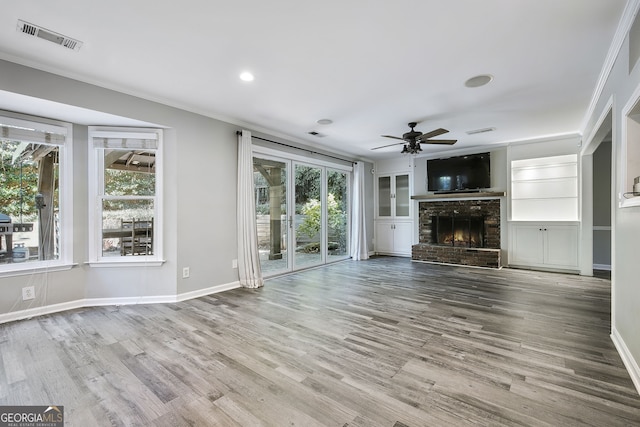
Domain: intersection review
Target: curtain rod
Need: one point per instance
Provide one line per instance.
(298, 148)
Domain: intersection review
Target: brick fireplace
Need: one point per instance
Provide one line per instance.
(461, 231)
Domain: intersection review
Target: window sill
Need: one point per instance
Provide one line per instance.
(126, 263)
(627, 203)
(26, 269)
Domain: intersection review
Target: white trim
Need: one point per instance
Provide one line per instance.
(634, 100)
(207, 291)
(26, 269)
(34, 124)
(257, 149)
(626, 21)
(96, 190)
(97, 302)
(601, 228)
(605, 267)
(124, 262)
(627, 358)
(65, 188)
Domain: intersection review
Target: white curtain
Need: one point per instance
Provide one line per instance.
(359, 246)
(248, 259)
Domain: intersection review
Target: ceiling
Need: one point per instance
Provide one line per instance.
(370, 66)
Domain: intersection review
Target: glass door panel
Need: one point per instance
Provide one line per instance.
(309, 216)
(270, 186)
(402, 195)
(384, 196)
(337, 208)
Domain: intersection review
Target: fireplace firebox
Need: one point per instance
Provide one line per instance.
(459, 231)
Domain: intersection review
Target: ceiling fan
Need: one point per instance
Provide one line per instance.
(414, 138)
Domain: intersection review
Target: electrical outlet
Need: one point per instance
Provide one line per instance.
(28, 292)
(234, 263)
(186, 273)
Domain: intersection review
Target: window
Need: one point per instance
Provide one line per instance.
(126, 170)
(35, 194)
(629, 171)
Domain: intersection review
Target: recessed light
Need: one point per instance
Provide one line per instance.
(325, 121)
(246, 76)
(478, 81)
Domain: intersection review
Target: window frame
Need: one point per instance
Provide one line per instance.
(97, 196)
(65, 193)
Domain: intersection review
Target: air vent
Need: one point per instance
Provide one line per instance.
(53, 37)
(473, 132)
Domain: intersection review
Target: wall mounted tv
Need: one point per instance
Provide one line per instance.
(459, 174)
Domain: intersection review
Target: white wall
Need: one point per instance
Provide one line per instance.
(620, 85)
(200, 158)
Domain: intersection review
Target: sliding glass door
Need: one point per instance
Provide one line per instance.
(309, 218)
(270, 186)
(302, 211)
(337, 214)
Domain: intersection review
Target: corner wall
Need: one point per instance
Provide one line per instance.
(621, 82)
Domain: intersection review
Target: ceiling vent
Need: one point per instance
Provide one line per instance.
(473, 132)
(43, 33)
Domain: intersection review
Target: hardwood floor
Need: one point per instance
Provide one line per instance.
(383, 342)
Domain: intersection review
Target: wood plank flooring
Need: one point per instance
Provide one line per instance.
(383, 342)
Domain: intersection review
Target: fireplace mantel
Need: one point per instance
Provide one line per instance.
(461, 196)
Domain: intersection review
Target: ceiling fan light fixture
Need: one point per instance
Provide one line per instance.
(479, 80)
(411, 148)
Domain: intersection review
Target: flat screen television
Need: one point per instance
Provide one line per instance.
(459, 174)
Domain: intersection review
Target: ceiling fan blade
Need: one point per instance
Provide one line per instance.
(391, 136)
(433, 133)
(390, 145)
(440, 141)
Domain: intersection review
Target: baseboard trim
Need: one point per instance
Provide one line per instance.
(627, 358)
(207, 291)
(99, 302)
(40, 311)
(605, 267)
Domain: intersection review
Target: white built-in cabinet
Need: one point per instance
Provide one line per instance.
(544, 245)
(394, 237)
(544, 226)
(393, 222)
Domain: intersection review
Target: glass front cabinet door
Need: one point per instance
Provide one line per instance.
(394, 196)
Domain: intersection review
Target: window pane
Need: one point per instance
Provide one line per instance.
(127, 227)
(29, 202)
(337, 204)
(129, 173)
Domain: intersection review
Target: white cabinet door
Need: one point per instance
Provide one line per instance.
(394, 199)
(561, 246)
(402, 238)
(394, 238)
(384, 237)
(526, 245)
(553, 246)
